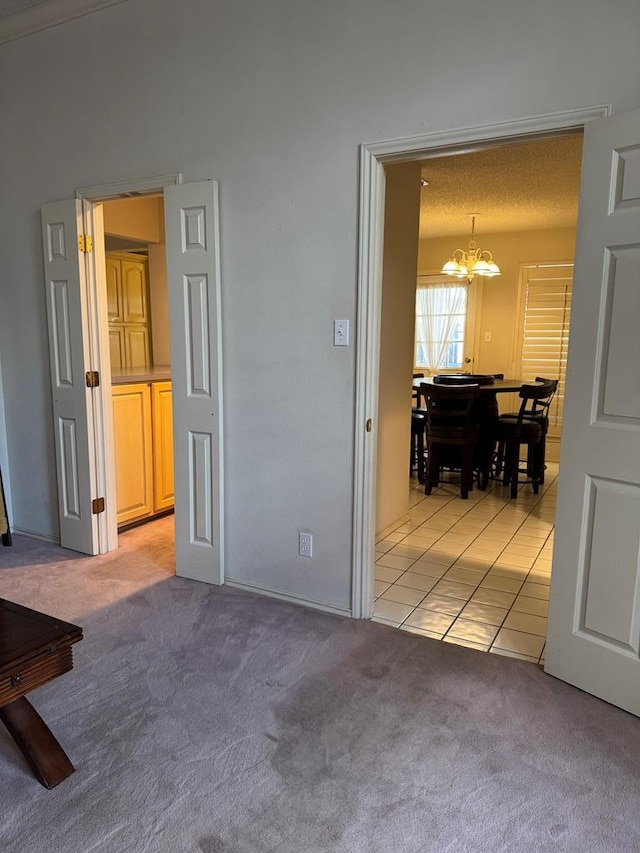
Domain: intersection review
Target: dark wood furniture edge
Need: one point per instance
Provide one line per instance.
(36, 742)
(35, 648)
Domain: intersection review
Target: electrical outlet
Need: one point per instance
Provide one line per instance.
(305, 544)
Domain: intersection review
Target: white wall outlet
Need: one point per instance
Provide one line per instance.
(305, 544)
(341, 333)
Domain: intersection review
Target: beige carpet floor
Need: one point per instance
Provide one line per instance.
(204, 719)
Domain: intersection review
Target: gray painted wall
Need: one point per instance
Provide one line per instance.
(271, 98)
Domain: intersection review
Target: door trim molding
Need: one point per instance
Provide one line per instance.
(373, 156)
(129, 189)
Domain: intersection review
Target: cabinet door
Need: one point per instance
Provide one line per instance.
(134, 451)
(134, 292)
(113, 274)
(137, 346)
(162, 444)
(117, 347)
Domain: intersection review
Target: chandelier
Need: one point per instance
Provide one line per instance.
(474, 261)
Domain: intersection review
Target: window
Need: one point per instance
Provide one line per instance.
(441, 312)
(545, 330)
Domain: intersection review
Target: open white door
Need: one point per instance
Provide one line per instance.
(594, 619)
(193, 271)
(67, 314)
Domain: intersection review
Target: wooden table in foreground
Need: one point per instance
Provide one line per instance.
(34, 649)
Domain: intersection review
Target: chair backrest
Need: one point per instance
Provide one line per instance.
(415, 394)
(450, 406)
(536, 399)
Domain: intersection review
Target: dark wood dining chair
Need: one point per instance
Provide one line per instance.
(418, 429)
(452, 433)
(416, 391)
(524, 429)
(540, 414)
(418, 448)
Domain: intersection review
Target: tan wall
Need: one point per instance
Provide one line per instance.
(143, 219)
(498, 306)
(135, 218)
(396, 342)
(159, 297)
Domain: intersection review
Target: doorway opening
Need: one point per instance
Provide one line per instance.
(476, 572)
(135, 278)
(81, 350)
(373, 179)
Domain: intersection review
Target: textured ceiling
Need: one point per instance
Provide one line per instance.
(518, 187)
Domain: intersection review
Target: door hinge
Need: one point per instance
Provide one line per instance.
(85, 243)
(97, 506)
(92, 378)
(369, 425)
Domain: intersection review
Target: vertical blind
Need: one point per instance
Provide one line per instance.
(545, 334)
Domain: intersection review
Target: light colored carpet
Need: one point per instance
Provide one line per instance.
(203, 719)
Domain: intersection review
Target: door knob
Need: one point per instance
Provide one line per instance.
(468, 360)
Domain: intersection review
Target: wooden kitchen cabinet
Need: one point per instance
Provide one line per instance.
(133, 450)
(143, 437)
(127, 284)
(162, 445)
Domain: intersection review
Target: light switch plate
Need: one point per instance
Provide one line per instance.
(341, 333)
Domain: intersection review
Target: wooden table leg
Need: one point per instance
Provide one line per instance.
(35, 740)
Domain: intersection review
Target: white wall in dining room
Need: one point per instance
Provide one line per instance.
(498, 308)
(272, 99)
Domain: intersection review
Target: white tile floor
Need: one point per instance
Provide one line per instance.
(476, 572)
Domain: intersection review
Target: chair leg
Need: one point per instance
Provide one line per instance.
(421, 460)
(432, 468)
(541, 458)
(466, 471)
(505, 464)
(499, 460)
(515, 464)
(511, 465)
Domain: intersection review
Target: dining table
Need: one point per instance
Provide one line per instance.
(488, 411)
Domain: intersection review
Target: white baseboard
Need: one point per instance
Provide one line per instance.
(31, 534)
(553, 448)
(290, 599)
(387, 530)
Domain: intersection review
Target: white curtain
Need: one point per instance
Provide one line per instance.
(439, 308)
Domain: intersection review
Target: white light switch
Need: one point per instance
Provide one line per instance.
(341, 333)
(487, 337)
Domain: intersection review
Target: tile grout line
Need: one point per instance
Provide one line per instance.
(490, 566)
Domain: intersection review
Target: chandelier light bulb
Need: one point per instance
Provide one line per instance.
(474, 261)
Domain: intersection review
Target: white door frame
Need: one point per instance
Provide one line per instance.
(371, 225)
(101, 430)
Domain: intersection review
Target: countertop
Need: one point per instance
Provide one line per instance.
(127, 375)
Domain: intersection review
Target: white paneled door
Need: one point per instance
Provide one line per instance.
(67, 315)
(191, 223)
(594, 618)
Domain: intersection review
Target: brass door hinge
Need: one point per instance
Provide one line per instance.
(92, 378)
(97, 506)
(85, 243)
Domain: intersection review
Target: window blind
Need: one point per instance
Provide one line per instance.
(545, 334)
